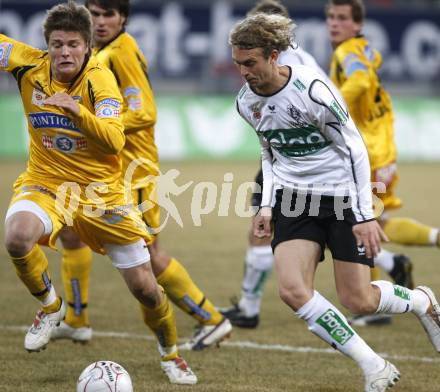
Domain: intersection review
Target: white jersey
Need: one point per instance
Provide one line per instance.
(298, 56)
(308, 140)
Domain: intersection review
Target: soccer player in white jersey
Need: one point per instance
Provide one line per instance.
(245, 313)
(317, 193)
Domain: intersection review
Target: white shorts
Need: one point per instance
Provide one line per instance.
(30, 206)
(128, 256)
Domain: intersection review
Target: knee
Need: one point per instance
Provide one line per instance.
(70, 239)
(357, 303)
(295, 296)
(19, 241)
(148, 296)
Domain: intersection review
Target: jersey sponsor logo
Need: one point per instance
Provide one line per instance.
(131, 91)
(5, 51)
(339, 112)
(296, 142)
(353, 63)
(108, 108)
(108, 102)
(52, 120)
(385, 174)
(335, 326)
(297, 117)
(299, 85)
(107, 112)
(271, 108)
(134, 103)
(63, 143)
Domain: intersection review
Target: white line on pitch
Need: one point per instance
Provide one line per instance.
(244, 344)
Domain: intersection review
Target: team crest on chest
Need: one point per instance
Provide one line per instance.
(256, 110)
(297, 119)
(38, 97)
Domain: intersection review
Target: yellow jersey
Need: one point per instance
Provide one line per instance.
(124, 58)
(82, 150)
(353, 70)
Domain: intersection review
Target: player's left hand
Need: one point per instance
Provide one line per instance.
(370, 235)
(64, 101)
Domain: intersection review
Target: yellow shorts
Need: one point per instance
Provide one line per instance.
(116, 224)
(386, 179)
(146, 200)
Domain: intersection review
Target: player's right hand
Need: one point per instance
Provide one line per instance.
(370, 235)
(262, 224)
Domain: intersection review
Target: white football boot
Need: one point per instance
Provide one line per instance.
(178, 371)
(39, 333)
(208, 335)
(431, 319)
(77, 335)
(383, 379)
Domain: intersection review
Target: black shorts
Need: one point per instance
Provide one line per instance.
(257, 194)
(318, 224)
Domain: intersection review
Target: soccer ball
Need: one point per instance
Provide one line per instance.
(104, 376)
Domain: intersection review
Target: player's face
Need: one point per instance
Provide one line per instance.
(107, 24)
(255, 68)
(340, 24)
(67, 51)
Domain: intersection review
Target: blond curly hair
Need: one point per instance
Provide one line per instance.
(269, 32)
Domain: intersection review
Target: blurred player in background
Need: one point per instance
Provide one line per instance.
(120, 53)
(73, 108)
(317, 193)
(354, 70)
(259, 258)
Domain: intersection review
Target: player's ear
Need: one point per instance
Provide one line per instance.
(274, 56)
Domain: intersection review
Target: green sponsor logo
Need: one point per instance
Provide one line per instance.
(296, 142)
(339, 112)
(401, 292)
(299, 85)
(337, 329)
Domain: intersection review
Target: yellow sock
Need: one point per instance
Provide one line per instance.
(407, 231)
(181, 289)
(163, 324)
(375, 274)
(76, 266)
(32, 271)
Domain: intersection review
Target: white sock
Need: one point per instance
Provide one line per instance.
(398, 299)
(259, 262)
(385, 260)
(325, 321)
(50, 298)
(433, 236)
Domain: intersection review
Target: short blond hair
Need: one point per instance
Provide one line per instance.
(269, 32)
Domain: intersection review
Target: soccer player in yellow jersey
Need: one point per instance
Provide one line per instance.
(73, 105)
(118, 50)
(354, 70)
